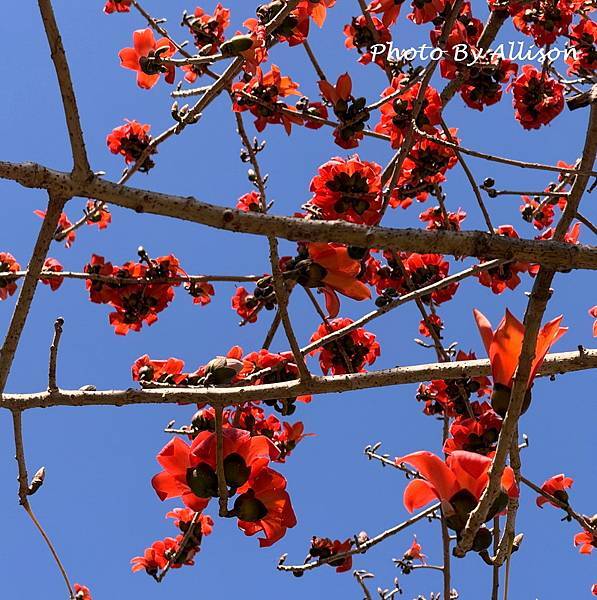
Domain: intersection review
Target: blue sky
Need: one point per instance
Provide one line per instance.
(97, 502)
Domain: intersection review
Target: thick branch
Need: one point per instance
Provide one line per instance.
(564, 362)
(556, 255)
(81, 166)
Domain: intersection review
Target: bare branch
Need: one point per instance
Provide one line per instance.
(81, 168)
(52, 386)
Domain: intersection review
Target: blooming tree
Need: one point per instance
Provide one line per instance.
(228, 460)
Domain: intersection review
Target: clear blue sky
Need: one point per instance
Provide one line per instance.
(97, 502)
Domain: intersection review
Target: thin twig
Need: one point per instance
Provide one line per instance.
(52, 385)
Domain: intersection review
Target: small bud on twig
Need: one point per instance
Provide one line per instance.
(37, 481)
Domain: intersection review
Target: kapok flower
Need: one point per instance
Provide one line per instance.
(503, 348)
(98, 214)
(207, 30)
(541, 214)
(359, 35)
(425, 11)
(479, 434)
(54, 266)
(250, 202)
(8, 264)
(537, 98)
(556, 486)
(200, 291)
(183, 517)
(63, 225)
(332, 267)
(426, 269)
(245, 305)
(325, 548)
(414, 552)
(389, 8)
(264, 505)
(505, 276)
(143, 58)
(161, 371)
(544, 20)
(131, 140)
(267, 88)
(120, 6)
(317, 9)
(82, 592)
(439, 220)
(586, 541)
(583, 38)
(397, 114)
(349, 190)
(351, 111)
(348, 354)
(458, 483)
(594, 589)
(433, 321)
(155, 557)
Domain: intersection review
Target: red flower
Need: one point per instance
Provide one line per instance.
(425, 11)
(425, 166)
(541, 214)
(350, 353)
(281, 367)
(587, 542)
(359, 35)
(389, 8)
(98, 214)
(154, 558)
(435, 322)
(8, 264)
(397, 115)
(426, 269)
(317, 9)
(117, 6)
(143, 58)
(447, 396)
(245, 304)
(458, 483)
(289, 437)
(594, 589)
(351, 111)
(503, 348)
(54, 266)
(414, 552)
(201, 292)
(436, 219)
(207, 30)
(583, 38)
(264, 505)
(266, 88)
(592, 313)
(503, 276)
(82, 592)
(332, 267)
(538, 99)
(478, 435)
(349, 190)
(63, 225)
(183, 517)
(325, 548)
(131, 141)
(162, 371)
(556, 486)
(544, 20)
(294, 29)
(250, 202)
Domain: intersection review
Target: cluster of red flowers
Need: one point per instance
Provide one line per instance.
(134, 303)
(348, 354)
(538, 98)
(438, 219)
(255, 368)
(544, 20)
(397, 114)
(132, 141)
(260, 96)
(450, 396)
(478, 433)
(583, 39)
(326, 549)
(261, 502)
(175, 552)
(393, 279)
(347, 189)
(359, 35)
